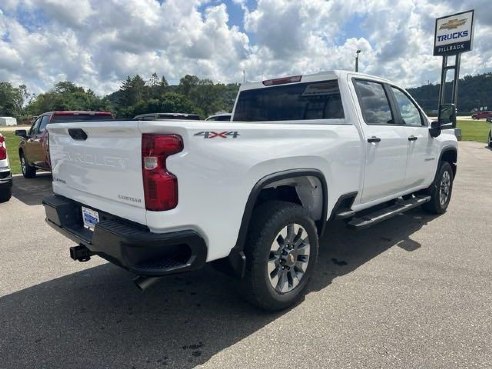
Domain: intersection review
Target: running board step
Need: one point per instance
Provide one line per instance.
(345, 214)
(386, 213)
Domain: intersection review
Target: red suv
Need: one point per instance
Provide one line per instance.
(482, 115)
(33, 147)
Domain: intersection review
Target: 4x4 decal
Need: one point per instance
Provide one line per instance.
(211, 134)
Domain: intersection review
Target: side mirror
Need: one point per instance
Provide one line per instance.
(435, 129)
(21, 133)
(446, 119)
(447, 116)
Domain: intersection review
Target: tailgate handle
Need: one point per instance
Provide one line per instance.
(77, 134)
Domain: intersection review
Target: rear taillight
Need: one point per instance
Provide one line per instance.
(160, 186)
(3, 149)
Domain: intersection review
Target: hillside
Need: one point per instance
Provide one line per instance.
(473, 92)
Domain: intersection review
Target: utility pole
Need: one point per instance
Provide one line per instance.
(357, 60)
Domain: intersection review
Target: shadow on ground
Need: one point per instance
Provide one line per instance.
(97, 318)
(31, 191)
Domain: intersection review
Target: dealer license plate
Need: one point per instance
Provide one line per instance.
(90, 218)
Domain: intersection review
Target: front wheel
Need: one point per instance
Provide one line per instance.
(440, 190)
(28, 171)
(281, 252)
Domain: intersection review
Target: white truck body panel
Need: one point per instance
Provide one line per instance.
(216, 176)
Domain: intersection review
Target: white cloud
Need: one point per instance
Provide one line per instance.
(98, 43)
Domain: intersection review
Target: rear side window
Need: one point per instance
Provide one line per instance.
(301, 101)
(79, 118)
(373, 102)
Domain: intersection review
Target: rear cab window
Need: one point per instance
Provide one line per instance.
(300, 101)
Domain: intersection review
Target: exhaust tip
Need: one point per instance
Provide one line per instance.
(143, 282)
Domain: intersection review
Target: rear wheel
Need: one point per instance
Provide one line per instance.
(28, 171)
(440, 190)
(281, 252)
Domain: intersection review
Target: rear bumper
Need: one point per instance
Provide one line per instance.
(129, 245)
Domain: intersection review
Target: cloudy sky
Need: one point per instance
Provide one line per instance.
(97, 43)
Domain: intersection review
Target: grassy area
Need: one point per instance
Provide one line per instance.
(474, 130)
(12, 147)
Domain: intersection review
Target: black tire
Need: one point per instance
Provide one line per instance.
(5, 193)
(440, 190)
(269, 219)
(490, 139)
(28, 171)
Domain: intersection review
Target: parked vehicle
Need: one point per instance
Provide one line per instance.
(166, 116)
(224, 117)
(34, 146)
(5, 173)
(254, 194)
(8, 121)
(482, 115)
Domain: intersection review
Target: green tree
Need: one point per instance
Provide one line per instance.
(12, 99)
(66, 96)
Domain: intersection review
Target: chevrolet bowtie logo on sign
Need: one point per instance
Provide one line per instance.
(453, 34)
(453, 23)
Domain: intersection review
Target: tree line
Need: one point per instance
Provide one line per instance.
(474, 93)
(193, 95)
(135, 96)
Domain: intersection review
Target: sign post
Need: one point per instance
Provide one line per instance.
(453, 36)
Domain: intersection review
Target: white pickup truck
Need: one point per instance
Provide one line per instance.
(161, 197)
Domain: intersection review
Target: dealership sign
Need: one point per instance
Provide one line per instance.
(453, 34)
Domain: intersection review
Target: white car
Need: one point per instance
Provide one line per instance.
(162, 197)
(5, 174)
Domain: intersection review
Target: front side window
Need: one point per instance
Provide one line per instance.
(44, 122)
(409, 112)
(300, 101)
(35, 127)
(373, 102)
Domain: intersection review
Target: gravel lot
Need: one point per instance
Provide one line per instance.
(413, 292)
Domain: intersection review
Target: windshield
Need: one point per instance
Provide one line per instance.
(300, 101)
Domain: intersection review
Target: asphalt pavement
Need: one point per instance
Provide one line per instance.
(412, 292)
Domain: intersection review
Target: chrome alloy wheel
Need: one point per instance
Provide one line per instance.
(289, 258)
(444, 188)
(23, 164)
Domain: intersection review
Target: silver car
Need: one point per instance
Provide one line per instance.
(5, 173)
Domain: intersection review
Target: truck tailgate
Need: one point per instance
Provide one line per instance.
(99, 164)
